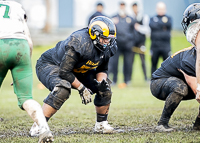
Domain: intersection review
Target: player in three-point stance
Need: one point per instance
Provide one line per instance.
(80, 62)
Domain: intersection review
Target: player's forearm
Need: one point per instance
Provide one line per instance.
(76, 83)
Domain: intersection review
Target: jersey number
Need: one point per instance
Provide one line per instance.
(6, 11)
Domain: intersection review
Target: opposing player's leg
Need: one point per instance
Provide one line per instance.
(115, 61)
(172, 90)
(154, 59)
(22, 82)
(127, 67)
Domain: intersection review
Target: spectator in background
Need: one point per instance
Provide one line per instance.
(99, 9)
(160, 25)
(141, 29)
(125, 27)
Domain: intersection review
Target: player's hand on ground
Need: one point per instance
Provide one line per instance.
(85, 94)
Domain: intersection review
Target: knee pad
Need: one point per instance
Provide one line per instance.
(57, 97)
(102, 99)
(181, 89)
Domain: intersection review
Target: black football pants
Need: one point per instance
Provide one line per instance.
(127, 65)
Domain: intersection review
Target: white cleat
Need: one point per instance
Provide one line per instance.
(46, 137)
(103, 127)
(162, 128)
(34, 131)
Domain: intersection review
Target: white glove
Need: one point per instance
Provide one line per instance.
(85, 94)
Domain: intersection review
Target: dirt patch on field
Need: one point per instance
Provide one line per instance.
(68, 131)
(10, 133)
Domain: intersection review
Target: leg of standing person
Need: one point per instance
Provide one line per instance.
(127, 69)
(115, 62)
(133, 59)
(165, 53)
(142, 57)
(154, 59)
(19, 62)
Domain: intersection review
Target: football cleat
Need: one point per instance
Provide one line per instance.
(196, 125)
(46, 137)
(164, 128)
(34, 131)
(103, 127)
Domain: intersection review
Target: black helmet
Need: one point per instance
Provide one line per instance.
(191, 13)
(102, 26)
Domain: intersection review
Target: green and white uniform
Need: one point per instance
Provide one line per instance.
(15, 50)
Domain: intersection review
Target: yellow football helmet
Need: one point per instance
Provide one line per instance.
(102, 26)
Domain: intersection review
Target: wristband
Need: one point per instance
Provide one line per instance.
(198, 87)
(80, 86)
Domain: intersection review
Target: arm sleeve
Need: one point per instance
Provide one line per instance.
(192, 31)
(67, 65)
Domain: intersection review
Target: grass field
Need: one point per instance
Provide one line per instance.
(133, 109)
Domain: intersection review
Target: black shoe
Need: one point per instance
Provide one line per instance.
(196, 125)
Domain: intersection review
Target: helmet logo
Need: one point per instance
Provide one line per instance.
(103, 27)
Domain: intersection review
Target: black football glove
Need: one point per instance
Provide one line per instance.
(103, 87)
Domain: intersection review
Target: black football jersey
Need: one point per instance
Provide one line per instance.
(89, 57)
(184, 59)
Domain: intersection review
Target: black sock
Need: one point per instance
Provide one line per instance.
(47, 118)
(102, 117)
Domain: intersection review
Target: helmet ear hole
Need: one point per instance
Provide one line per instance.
(92, 31)
(97, 33)
(95, 42)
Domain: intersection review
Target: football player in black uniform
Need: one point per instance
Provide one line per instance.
(80, 62)
(176, 79)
